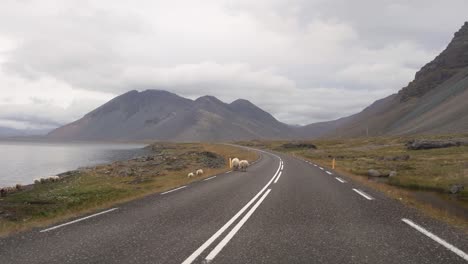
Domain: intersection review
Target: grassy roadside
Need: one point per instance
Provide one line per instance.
(423, 176)
(94, 188)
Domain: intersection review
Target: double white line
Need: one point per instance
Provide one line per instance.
(231, 234)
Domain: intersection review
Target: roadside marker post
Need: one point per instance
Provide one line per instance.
(230, 163)
(333, 163)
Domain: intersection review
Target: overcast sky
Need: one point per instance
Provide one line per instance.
(301, 60)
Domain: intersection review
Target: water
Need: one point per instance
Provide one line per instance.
(22, 162)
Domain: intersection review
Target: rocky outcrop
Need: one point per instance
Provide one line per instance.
(453, 59)
(431, 144)
(302, 145)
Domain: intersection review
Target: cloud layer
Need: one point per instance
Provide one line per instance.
(302, 60)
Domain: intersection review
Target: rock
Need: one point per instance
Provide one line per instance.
(210, 159)
(373, 173)
(299, 145)
(456, 188)
(392, 174)
(125, 172)
(395, 158)
(431, 144)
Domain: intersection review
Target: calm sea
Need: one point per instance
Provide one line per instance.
(21, 162)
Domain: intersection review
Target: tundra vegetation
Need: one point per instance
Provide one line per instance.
(407, 168)
(166, 166)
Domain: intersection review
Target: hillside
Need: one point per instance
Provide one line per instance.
(434, 102)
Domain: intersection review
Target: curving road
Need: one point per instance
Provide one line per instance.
(283, 210)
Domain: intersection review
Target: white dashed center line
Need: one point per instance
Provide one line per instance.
(363, 194)
(329, 173)
(340, 180)
(207, 179)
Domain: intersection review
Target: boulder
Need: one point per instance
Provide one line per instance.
(456, 188)
(373, 173)
(299, 145)
(431, 144)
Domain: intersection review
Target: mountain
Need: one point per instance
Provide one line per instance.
(161, 115)
(434, 102)
(6, 132)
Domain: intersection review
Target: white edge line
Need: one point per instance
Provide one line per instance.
(78, 220)
(329, 173)
(321, 168)
(340, 180)
(210, 178)
(210, 240)
(437, 239)
(173, 190)
(315, 165)
(277, 177)
(363, 194)
(233, 232)
(228, 172)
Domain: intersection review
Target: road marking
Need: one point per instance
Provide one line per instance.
(218, 233)
(363, 194)
(340, 180)
(282, 166)
(436, 239)
(321, 168)
(207, 179)
(78, 220)
(329, 173)
(173, 190)
(228, 172)
(277, 178)
(315, 165)
(233, 232)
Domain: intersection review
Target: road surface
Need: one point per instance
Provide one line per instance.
(282, 210)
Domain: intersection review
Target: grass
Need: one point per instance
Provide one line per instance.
(433, 170)
(107, 185)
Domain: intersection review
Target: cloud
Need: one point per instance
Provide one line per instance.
(302, 60)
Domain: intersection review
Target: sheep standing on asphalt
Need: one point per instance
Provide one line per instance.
(199, 172)
(190, 175)
(235, 164)
(243, 164)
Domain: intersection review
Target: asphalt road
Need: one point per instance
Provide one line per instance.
(282, 210)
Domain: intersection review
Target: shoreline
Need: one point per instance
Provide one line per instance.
(26, 179)
(98, 187)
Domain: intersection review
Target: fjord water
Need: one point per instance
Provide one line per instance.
(21, 162)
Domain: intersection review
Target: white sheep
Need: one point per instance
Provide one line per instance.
(243, 164)
(37, 180)
(199, 172)
(235, 164)
(43, 180)
(190, 175)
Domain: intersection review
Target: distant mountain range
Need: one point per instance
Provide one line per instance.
(161, 115)
(6, 132)
(436, 101)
